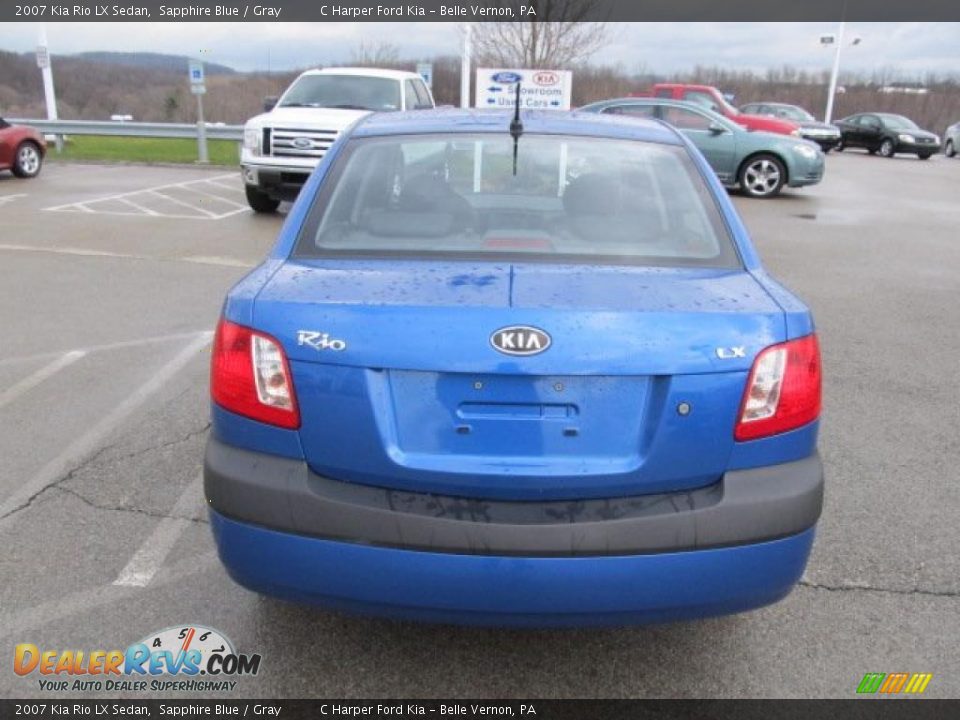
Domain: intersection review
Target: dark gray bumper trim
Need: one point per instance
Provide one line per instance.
(746, 506)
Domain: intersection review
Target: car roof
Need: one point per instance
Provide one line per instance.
(647, 100)
(364, 71)
(875, 114)
(548, 122)
(667, 102)
(773, 104)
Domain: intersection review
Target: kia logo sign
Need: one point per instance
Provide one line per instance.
(520, 340)
(545, 77)
(506, 78)
(302, 143)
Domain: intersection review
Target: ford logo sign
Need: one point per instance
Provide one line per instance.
(520, 340)
(302, 143)
(506, 78)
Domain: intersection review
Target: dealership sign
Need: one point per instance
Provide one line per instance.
(539, 89)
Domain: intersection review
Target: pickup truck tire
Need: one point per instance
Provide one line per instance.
(27, 160)
(260, 202)
(762, 176)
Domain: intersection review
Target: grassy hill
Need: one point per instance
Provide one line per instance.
(152, 61)
(154, 87)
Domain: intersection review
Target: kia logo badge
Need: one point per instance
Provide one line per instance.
(546, 77)
(520, 340)
(302, 143)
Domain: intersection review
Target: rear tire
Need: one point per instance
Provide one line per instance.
(762, 176)
(27, 160)
(839, 147)
(949, 150)
(887, 148)
(260, 202)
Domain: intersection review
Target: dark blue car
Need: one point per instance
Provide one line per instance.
(515, 371)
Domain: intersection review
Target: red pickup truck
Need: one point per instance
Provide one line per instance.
(713, 99)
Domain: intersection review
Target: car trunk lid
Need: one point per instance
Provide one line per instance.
(400, 385)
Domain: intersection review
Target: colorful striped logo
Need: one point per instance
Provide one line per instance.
(893, 683)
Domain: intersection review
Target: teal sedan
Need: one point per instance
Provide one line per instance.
(760, 163)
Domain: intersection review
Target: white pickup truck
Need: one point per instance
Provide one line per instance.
(282, 146)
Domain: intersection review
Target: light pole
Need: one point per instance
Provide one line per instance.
(465, 62)
(838, 42)
(49, 94)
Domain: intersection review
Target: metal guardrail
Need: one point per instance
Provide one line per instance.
(131, 129)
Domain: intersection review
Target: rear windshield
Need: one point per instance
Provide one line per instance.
(355, 92)
(566, 198)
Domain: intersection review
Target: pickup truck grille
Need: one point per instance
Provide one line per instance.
(299, 142)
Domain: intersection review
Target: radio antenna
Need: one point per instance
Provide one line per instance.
(516, 129)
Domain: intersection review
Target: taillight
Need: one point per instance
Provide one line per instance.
(783, 390)
(250, 376)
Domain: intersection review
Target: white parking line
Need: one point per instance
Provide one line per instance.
(86, 444)
(233, 186)
(31, 381)
(148, 559)
(4, 199)
(201, 259)
(18, 620)
(135, 206)
(231, 213)
(175, 201)
(70, 251)
(220, 198)
(137, 342)
(140, 200)
(117, 196)
(108, 346)
(217, 260)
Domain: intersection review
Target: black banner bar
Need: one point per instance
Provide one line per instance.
(477, 10)
(874, 707)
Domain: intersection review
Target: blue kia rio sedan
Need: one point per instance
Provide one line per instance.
(515, 371)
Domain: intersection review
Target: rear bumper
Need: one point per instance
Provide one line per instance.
(745, 506)
(738, 544)
(510, 591)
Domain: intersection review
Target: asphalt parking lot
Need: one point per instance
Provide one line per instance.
(111, 279)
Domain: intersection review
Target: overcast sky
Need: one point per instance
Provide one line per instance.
(911, 48)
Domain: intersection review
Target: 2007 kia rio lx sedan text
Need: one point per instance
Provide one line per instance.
(515, 372)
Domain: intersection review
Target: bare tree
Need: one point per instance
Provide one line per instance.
(561, 33)
(378, 54)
